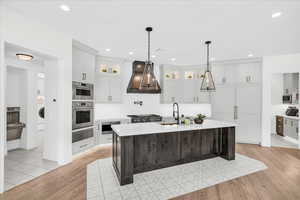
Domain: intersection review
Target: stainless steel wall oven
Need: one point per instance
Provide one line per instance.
(83, 114)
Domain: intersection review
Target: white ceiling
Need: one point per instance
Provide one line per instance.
(236, 28)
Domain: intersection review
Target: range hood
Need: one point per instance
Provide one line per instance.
(138, 74)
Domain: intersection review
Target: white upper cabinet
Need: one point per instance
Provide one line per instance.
(224, 73)
(171, 77)
(290, 83)
(83, 65)
(249, 72)
(182, 84)
(108, 81)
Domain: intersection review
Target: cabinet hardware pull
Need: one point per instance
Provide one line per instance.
(83, 145)
(235, 112)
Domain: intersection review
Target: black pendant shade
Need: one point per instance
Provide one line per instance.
(207, 81)
(143, 79)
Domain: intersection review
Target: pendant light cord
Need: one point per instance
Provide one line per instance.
(207, 56)
(149, 46)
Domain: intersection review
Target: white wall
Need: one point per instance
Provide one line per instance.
(16, 89)
(151, 102)
(271, 65)
(17, 29)
(2, 100)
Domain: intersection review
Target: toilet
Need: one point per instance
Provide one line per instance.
(14, 126)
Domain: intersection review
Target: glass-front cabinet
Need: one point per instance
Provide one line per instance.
(182, 84)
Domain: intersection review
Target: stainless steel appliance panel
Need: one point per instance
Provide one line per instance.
(83, 114)
(83, 91)
(287, 99)
(82, 134)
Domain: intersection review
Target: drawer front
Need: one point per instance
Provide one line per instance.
(83, 145)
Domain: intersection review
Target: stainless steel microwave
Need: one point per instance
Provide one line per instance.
(287, 99)
(82, 91)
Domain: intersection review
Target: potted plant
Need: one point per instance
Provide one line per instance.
(199, 119)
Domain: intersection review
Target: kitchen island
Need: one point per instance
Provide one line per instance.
(144, 147)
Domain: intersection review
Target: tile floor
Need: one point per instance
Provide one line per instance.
(166, 183)
(279, 141)
(21, 166)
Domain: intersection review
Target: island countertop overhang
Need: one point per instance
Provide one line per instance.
(123, 130)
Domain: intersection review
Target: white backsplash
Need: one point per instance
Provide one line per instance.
(151, 105)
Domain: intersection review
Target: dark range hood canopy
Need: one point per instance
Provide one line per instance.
(138, 68)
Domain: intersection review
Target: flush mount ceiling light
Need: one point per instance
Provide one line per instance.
(153, 56)
(208, 84)
(250, 55)
(173, 59)
(107, 50)
(276, 14)
(130, 53)
(65, 7)
(24, 56)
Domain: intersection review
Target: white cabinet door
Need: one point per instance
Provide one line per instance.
(248, 98)
(89, 68)
(77, 73)
(171, 91)
(115, 92)
(224, 74)
(189, 91)
(288, 83)
(83, 66)
(102, 89)
(223, 102)
(249, 72)
(291, 128)
(218, 73)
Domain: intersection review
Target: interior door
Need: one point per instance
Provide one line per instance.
(248, 101)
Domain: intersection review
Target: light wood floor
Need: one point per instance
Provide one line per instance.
(281, 181)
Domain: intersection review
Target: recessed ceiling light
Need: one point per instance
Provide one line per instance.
(24, 56)
(250, 55)
(130, 53)
(108, 50)
(276, 14)
(65, 8)
(173, 59)
(153, 56)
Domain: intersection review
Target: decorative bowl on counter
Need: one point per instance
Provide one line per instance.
(199, 119)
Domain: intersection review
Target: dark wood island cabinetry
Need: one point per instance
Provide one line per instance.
(140, 153)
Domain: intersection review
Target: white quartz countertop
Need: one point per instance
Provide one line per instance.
(290, 117)
(155, 127)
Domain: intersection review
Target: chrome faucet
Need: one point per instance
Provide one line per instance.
(176, 112)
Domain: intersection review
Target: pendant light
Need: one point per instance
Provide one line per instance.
(148, 80)
(207, 81)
